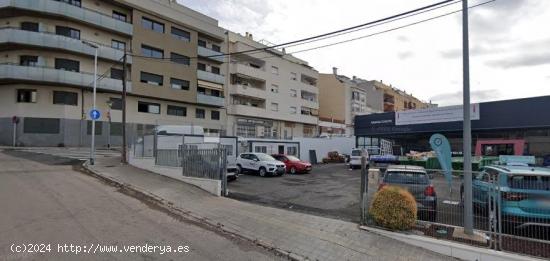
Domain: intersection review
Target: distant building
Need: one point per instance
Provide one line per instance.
(341, 99)
(271, 94)
(397, 100)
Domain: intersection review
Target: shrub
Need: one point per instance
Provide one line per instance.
(394, 208)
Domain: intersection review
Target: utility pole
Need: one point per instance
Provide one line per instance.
(123, 160)
(467, 132)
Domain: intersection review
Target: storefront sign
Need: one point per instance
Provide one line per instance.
(434, 115)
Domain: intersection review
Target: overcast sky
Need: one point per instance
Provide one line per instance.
(509, 42)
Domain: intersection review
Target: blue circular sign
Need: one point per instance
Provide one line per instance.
(95, 114)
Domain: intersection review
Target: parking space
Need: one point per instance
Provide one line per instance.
(332, 190)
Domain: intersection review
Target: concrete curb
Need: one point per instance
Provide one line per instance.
(452, 249)
(167, 206)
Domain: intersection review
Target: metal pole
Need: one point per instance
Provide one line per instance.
(364, 189)
(14, 132)
(109, 131)
(467, 133)
(92, 150)
(124, 156)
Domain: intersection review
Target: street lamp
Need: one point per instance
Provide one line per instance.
(92, 149)
(110, 105)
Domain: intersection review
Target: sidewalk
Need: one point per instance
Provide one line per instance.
(302, 236)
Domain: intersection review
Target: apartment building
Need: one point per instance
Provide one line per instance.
(341, 99)
(47, 65)
(397, 100)
(271, 94)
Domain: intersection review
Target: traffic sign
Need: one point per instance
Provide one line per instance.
(95, 114)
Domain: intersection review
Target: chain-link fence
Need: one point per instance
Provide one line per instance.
(511, 205)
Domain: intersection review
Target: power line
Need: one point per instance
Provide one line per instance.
(381, 32)
(327, 35)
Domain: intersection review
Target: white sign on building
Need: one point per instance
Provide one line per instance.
(434, 115)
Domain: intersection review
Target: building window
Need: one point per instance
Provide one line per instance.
(26, 96)
(200, 114)
(65, 98)
(201, 66)
(260, 149)
(201, 90)
(71, 2)
(29, 26)
(293, 110)
(116, 73)
(308, 131)
(152, 51)
(215, 93)
(148, 107)
(215, 70)
(274, 70)
(67, 31)
(152, 25)
(176, 111)
(293, 93)
(98, 128)
(150, 78)
(181, 34)
(274, 88)
(216, 48)
(67, 65)
(202, 43)
(118, 44)
(292, 151)
(28, 60)
(293, 76)
(116, 103)
(119, 16)
(41, 125)
(274, 106)
(215, 115)
(181, 59)
(179, 84)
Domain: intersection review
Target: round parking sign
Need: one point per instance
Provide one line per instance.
(95, 114)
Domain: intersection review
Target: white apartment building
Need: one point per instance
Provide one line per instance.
(271, 94)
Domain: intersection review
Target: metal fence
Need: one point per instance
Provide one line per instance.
(511, 212)
(168, 157)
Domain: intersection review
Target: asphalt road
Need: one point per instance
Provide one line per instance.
(44, 201)
(332, 190)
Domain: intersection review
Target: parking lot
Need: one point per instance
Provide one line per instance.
(332, 190)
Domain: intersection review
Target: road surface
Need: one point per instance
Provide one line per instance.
(47, 206)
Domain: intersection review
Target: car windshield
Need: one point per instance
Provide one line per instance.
(529, 182)
(265, 157)
(406, 177)
(292, 158)
(356, 153)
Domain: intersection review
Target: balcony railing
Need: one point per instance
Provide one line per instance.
(59, 8)
(51, 40)
(10, 71)
(210, 54)
(210, 77)
(210, 100)
(255, 73)
(248, 90)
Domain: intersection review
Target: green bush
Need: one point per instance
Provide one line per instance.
(394, 208)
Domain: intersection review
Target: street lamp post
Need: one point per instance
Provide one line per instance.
(110, 105)
(92, 149)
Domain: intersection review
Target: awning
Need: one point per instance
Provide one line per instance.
(210, 85)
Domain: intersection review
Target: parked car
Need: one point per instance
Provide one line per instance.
(293, 165)
(261, 163)
(524, 194)
(355, 158)
(546, 161)
(417, 181)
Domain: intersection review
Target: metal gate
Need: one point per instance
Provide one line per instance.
(207, 163)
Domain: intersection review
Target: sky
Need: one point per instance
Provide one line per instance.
(509, 42)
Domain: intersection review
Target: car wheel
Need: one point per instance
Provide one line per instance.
(292, 170)
(239, 169)
(262, 172)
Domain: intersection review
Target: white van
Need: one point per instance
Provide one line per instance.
(355, 158)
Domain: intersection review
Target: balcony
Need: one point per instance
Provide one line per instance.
(210, 77)
(54, 76)
(251, 72)
(208, 53)
(247, 90)
(246, 110)
(210, 100)
(310, 104)
(50, 40)
(59, 8)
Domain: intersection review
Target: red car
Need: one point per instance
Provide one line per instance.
(293, 165)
